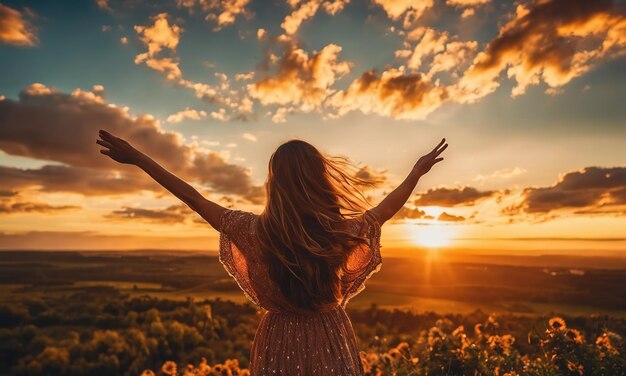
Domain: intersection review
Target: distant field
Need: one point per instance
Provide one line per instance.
(487, 283)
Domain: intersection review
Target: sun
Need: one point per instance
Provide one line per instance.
(435, 236)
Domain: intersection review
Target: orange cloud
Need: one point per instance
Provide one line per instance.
(307, 10)
(15, 28)
(445, 217)
(223, 12)
(163, 38)
(437, 51)
(187, 113)
(292, 22)
(411, 9)
(13, 206)
(394, 93)
(396, 8)
(448, 197)
(158, 37)
(468, 6)
(303, 81)
(376, 177)
(410, 213)
(549, 41)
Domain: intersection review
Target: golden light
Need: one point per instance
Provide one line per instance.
(434, 236)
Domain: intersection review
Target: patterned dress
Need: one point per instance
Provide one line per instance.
(289, 341)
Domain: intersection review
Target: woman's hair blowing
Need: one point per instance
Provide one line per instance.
(309, 196)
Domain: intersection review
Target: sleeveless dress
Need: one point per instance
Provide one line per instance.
(289, 341)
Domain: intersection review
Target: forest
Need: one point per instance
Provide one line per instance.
(59, 315)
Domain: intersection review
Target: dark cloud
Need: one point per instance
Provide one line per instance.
(5, 193)
(90, 240)
(53, 126)
(410, 213)
(85, 181)
(376, 177)
(170, 215)
(11, 202)
(452, 196)
(588, 188)
(450, 217)
(33, 207)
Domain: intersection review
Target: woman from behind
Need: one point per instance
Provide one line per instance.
(303, 257)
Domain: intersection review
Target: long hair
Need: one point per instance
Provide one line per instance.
(309, 196)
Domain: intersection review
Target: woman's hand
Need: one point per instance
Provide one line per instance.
(118, 149)
(425, 163)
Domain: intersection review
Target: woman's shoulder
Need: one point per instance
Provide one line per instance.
(359, 221)
(234, 220)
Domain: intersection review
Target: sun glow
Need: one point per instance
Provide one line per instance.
(435, 236)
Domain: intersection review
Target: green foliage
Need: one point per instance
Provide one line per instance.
(100, 331)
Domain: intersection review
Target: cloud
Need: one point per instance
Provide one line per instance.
(307, 10)
(468, 6)
(15, 27)
(173, 214)
(505, 173)
(222, 12)
(445, 217)
(15, 207)
(549, 41)
(375, 177)
(466, 3)
(249, 137)
(84, 181)
(292, 22)
(394, 93)
(410, 213)
(430, 43)
(590, 188)
(103, 4)
(413, 8)
(160, 37)
(280, 115)
(448, 197)
(302, 80)
(437, 50)
(244, 76)
(82, 240)
(53, 126)
(335, 6)
(187, 113)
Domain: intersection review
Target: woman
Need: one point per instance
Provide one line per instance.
(303, 258)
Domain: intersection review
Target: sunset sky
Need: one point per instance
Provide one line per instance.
(530, 96)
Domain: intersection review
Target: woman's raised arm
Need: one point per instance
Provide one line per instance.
(398, 197)
(121, 151)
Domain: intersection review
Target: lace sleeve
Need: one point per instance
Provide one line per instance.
(363, 260)
(235, 245)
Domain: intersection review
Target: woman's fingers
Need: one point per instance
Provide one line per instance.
(107, 136)
(441, 150)
(443, 140)
(104, 143)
